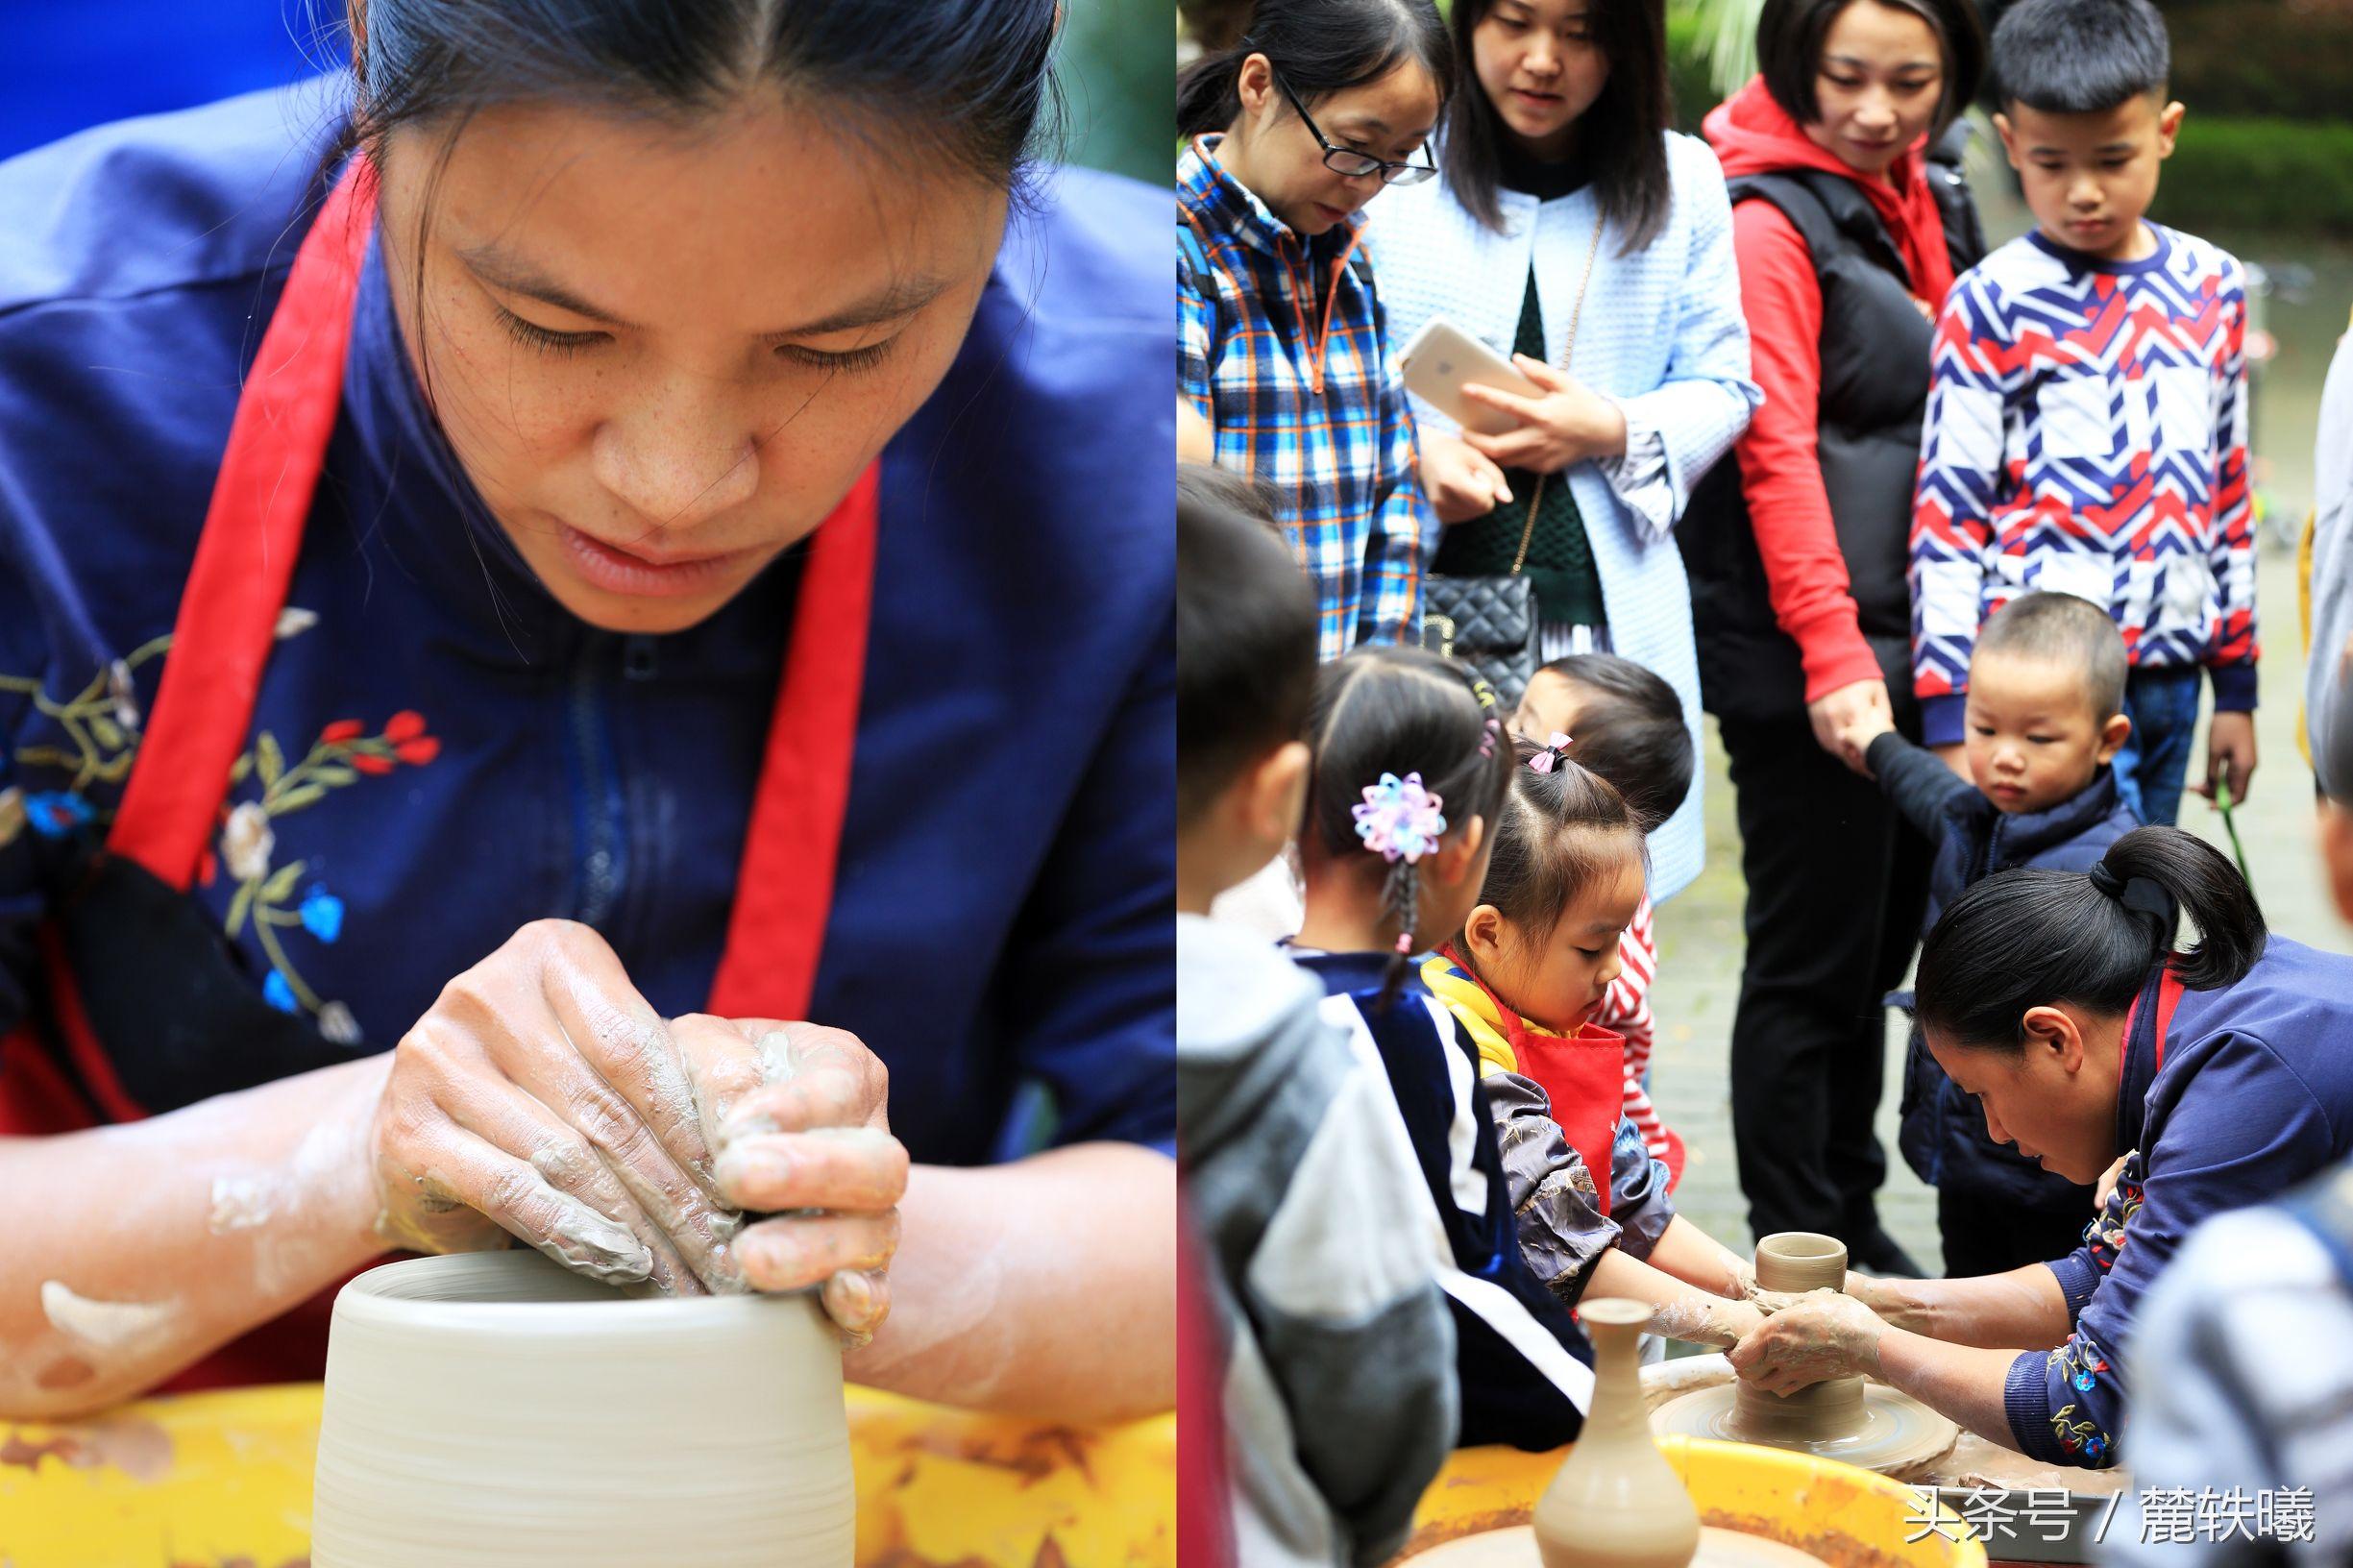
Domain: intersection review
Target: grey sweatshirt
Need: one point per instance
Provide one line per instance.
(1339, 1391)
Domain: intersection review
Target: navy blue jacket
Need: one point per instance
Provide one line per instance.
(1942, 1136)
(1006, 878)
(1433, 1070)
(2253, 1095)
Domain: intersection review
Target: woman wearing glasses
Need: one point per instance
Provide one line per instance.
(1573, 229)
(1282, 346)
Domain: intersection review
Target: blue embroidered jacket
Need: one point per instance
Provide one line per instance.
(440, 754)
(2254, 1096)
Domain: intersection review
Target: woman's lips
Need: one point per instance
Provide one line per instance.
(618, 571)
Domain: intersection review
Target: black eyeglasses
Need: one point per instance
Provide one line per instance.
(1351, 164)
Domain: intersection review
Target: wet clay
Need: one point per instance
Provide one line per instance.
(1870, 1425)
(1615, 1502)
(493, 1410)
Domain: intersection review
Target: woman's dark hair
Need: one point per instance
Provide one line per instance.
(1321, 47)
(1790, 33)
(1630, 730)
(1246, 634)
(970, 76)
(2025, 939)
(1400, 710)
(1559, 832)
(1622, 137)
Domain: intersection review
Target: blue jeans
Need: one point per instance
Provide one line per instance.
(2161, 703)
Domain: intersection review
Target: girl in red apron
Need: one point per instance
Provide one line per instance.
(1411, 766)
(1530, 965)
(589, 435)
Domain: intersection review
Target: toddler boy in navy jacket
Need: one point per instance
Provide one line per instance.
(2044, 719)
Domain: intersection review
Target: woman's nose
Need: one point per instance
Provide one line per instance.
(679, 459)
(1542, 58)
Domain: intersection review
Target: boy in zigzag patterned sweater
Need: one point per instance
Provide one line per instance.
(2085, 430)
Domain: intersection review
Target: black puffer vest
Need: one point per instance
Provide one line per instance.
(1874, 388)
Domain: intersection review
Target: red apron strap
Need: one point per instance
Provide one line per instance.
(784, 889)
(245, 557)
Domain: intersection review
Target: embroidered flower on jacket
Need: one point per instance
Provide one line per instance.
(247, 841)
(53, 813)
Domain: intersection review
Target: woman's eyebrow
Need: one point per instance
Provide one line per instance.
(900, 297)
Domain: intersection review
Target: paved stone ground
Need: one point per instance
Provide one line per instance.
(1699, 937)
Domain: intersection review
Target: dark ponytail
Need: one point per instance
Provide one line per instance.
(1321, 47)
(2026, 939)
(1400, 711)
(1562, 829)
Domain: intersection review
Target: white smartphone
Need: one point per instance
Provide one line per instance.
(1442, 358)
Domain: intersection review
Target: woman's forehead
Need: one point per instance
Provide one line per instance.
(761, 222)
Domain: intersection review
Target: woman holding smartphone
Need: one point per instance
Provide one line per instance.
(1571, 227)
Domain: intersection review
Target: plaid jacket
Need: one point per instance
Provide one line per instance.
(1303, 393)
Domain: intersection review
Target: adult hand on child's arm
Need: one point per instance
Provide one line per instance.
(1820, 1336)
(1462, 483)
(2230, 754)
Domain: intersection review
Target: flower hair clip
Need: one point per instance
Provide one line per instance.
(1554, 749)
(1399, 819)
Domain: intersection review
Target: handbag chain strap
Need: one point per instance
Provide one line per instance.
(1536, 500)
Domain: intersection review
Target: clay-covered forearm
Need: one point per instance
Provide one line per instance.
(1697, 1259)
(1678, 1311)
(2023, 1308)
(155, 1242)
(1045, 1286)
(1965, 1382)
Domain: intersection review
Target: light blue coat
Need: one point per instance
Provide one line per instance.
(1662, 334)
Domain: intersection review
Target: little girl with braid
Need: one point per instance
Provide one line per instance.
(1523, 974)
(1411, 766)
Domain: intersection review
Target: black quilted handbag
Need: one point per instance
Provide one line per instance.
(1488, 622)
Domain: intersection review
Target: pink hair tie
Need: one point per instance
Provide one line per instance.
(1405, 944)
(1553, 751)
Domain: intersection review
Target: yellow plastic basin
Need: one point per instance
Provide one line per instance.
(1849, 1518)
(206, 1481)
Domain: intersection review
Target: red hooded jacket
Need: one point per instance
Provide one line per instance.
(1780, 474)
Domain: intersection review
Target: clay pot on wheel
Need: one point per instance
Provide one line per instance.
(491, 1410)
(1616, 1503)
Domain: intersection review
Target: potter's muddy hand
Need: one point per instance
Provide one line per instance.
(1820, 1335)
(543, 1096)
(798, 1117)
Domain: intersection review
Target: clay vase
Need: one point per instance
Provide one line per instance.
(492, 1410)
(1616, 1503)
(1800, 1261)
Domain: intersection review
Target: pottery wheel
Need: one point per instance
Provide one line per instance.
(1516, 1548)
(1898, 1434)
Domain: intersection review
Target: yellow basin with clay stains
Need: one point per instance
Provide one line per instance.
(1848, 1518)
(208, 1480)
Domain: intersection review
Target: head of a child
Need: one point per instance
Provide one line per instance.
(2085, 120)
(1623, 721)
(1564, 878)
(1245, 676)
(1410, 768)
(2045, 707)
(1316, 92)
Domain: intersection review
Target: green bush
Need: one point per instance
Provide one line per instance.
(1688, 71)
(2276, 175)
